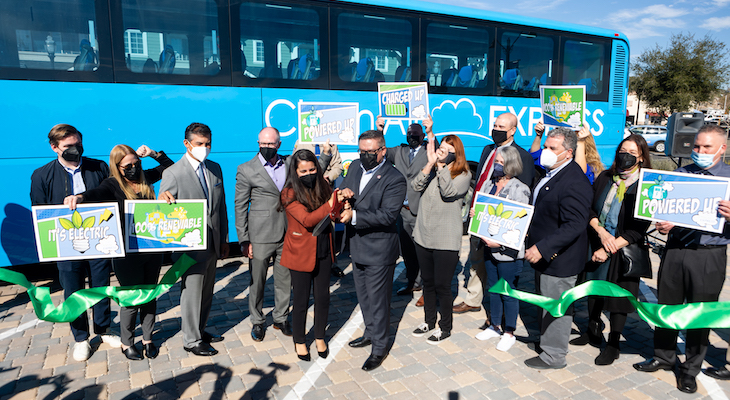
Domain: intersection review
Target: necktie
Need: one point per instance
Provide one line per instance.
(483, 177)
(201, 178)
(411, 155)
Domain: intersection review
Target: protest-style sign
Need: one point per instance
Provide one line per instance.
(500, 220)
(321, 121)
(91, 231)
(403, 100)
(154, 225)
(686, 200)
(563, 106)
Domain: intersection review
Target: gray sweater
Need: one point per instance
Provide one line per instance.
(439, 225)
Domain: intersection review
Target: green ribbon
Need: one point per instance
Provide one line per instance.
(678, 317)
(81, 300)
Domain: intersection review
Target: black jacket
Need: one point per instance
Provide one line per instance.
(50, 184)
(528, 170)
(558, 227)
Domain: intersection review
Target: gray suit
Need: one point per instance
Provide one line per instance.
(259, 222)
(197, 283)
(400, 157)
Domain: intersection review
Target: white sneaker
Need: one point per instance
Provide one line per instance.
(82, 351)
(422, 330)
(506, 342)
(487, 334)
(111, 340)
(438, 336)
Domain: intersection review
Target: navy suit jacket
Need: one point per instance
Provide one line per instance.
(374, 238)
(559, 225)
(528, 164)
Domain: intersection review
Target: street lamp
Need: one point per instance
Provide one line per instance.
(51, 49)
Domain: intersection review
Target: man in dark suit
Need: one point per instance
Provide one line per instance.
(409, 159)
(378, 191)
(196, 177)
(503, 134)
(557, 242)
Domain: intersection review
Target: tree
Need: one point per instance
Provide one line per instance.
(688, 71)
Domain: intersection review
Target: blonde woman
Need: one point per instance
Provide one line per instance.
(129, 182)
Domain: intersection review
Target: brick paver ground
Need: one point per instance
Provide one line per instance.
(36, 362)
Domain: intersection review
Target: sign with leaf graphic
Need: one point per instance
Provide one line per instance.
(500, 220)
(563, 106)
(91, 231)
(154, 225)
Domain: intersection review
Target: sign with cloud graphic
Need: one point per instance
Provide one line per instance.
(563, 106)
(154, 225)
(403, 100)
(500, 220)
(338, 122)
(91, 231)
(686, 200)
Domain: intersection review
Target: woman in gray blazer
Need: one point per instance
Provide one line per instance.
(501, 262)
(438, 231)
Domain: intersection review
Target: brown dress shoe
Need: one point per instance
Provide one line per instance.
(463, 307)
(419, 303)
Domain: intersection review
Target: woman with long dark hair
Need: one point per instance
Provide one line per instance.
(438, 231)
(129, 182)
(308, 199)
(613, 226)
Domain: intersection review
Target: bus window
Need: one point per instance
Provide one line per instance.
(34, 36)
(171, 37)
(279, 42)
(583, 64)
(456, 55)
(526, 62)
(373, 48)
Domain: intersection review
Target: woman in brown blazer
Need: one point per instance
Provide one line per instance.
(307, 199)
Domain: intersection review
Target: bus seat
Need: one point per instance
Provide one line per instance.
(167, 60)
(533, 84)
(271, 71)
(86, 60)
(589, 84)
(544, 79)
(467, 77)
(403, 74)
(149, 67)
(512, 80)
(378, 76)
(448, 77)
(305, 67)
(364, 71)
(244, 63)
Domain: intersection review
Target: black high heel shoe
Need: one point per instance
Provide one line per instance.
(325, 353)
(132, 354)
(150, 350)
(303, 357)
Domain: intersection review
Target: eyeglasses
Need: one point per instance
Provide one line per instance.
(263, 144)
(371, 152)
(127, 167)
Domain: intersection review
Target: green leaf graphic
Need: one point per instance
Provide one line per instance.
(491, 210)
(500, 208)
(66, 224)
(76, 219)
(88, 222)
(506, 214)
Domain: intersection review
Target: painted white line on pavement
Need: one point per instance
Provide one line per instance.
(335, 345)
(713, 389)
(19, 328)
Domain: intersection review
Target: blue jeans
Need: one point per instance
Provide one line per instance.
(510, 271)
(72, 276)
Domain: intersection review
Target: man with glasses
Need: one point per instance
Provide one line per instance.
(377, 191)
(261, 230)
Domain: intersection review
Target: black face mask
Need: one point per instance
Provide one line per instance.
(73, 153)
(133, 173)
(451, 157)
(267, 152)
(624, 161)
(499, 136)
(414, 140)
(369, 161)
(308, 180)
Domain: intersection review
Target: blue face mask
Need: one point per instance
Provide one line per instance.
(498, 171)
(704, 160)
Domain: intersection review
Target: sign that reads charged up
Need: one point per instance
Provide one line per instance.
(403, 100)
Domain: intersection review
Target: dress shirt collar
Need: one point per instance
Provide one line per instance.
(279, 161)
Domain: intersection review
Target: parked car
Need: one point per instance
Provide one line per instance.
(654, 135)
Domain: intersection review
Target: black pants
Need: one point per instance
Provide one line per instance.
(137, 269)
(437, 271)
(694, 275)
(302, 283)
(408, 247)
(72, 276)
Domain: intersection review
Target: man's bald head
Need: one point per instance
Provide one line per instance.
(269, 135)
(505, 122)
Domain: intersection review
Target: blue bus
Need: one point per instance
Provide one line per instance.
(139, 71)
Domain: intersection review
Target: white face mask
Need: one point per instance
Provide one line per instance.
(200, 153)
(548, 159)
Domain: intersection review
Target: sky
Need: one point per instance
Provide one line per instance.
(646, 23)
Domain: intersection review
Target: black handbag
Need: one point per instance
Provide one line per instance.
(635, 260)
